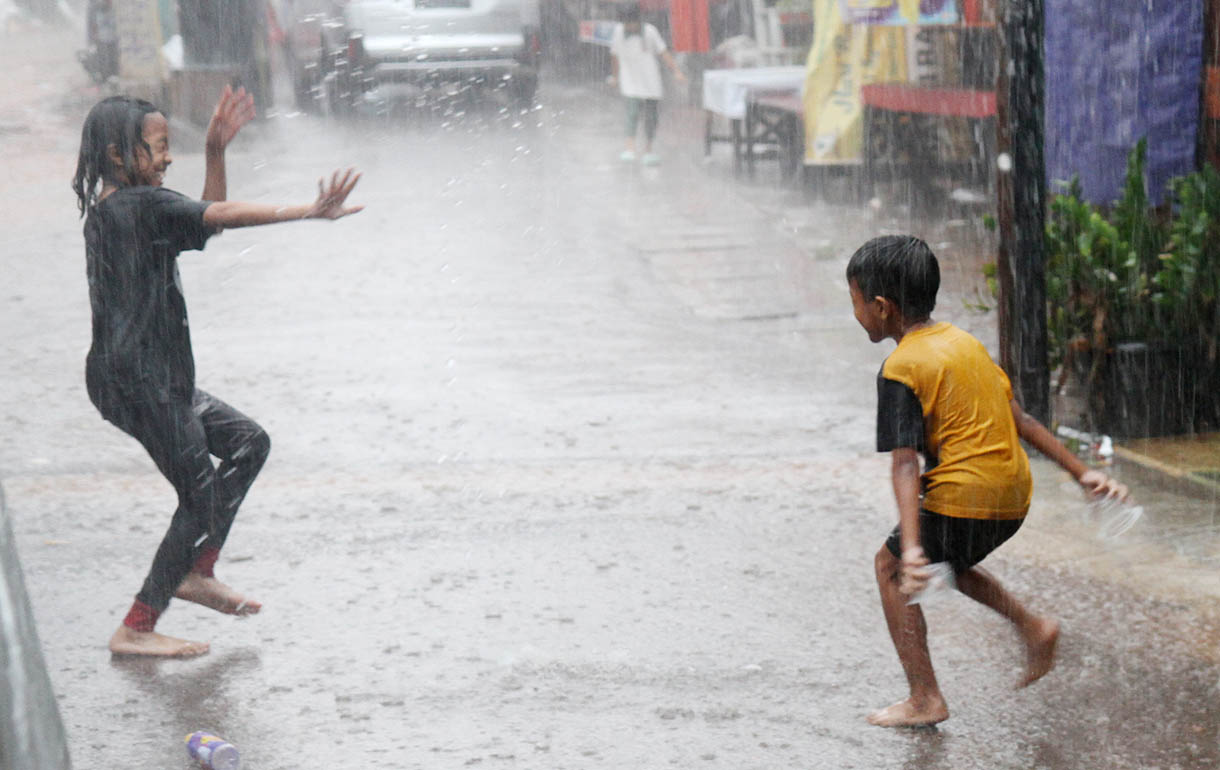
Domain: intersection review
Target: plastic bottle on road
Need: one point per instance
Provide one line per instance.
(212, 752)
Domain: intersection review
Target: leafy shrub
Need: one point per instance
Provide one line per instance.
(1131, 273)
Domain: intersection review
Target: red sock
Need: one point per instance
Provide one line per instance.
(141, 617)
(206, 560)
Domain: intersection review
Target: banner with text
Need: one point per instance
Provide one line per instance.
(899, 12)
(843, 58)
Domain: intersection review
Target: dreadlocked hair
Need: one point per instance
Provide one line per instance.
(117, 121)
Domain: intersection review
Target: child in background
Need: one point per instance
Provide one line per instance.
(940, 394)
(140, 371)
(635, 51)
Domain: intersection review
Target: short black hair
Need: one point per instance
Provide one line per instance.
(117, 120)
(630, 13)
(900, 268)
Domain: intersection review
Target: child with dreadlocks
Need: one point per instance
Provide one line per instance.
(140, 370)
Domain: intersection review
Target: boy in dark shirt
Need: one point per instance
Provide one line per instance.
(941, 395)
(140, 371)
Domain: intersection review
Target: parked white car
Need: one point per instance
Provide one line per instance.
(339, 50)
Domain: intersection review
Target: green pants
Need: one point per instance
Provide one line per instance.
(649, 109)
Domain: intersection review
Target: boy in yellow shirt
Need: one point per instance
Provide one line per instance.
(939, 394)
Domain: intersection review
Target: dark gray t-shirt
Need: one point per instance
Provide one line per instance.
(141, 341)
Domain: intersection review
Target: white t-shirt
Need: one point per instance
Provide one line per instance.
(639, 70)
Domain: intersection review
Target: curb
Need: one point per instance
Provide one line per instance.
(1191, 479)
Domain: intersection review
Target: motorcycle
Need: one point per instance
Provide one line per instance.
(100, 57)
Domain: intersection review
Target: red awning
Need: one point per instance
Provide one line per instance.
(688, 25)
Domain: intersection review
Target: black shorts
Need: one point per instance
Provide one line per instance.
(961, 542)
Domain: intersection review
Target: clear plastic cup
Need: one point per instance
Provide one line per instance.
(1114, 516)
(941, 582)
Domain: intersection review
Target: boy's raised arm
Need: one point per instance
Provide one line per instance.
(1095, 482)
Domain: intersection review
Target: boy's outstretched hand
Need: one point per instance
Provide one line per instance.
(331, 197)
(1098, 484)
(234, 110)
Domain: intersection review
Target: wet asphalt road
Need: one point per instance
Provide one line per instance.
(571, 468)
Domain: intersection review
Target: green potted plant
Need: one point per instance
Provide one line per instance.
(1186, 285)
(1127, 287)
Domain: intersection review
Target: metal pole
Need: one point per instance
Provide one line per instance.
(31, 733)
(1021, 206)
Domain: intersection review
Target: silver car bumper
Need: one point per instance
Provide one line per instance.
(425, 69)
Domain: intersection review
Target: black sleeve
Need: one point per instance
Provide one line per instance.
(176, 220)
(899, 417)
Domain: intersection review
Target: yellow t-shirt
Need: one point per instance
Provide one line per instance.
(975, 465)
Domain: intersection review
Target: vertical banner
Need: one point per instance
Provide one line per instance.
(688, 26)
(1117, 72)
(138, 23)
(843, 58)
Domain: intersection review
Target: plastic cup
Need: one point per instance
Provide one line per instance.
(1115, 516)
(941, 581)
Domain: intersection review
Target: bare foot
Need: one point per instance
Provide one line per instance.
(1040, 646)
(908, 713)
(214, 594)
(128, 641)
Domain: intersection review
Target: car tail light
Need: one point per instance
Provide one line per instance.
(355, 48)
(532, 48)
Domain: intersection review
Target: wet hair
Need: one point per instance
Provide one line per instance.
(118, 121)
(630, 14)
(900, 268)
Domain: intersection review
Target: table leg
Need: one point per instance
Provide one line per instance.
(867, 183)
(751, 128)
(987, 147)
(736, 123)
(787, 128)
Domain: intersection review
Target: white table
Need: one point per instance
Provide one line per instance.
(727, 92)
(732, 94)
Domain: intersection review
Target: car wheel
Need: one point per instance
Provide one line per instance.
(523, 88)
(341, 90)
(302, 83)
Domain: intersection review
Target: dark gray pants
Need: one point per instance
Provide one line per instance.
(181, 435)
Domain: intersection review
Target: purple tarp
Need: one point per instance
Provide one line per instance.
(1117, 71)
